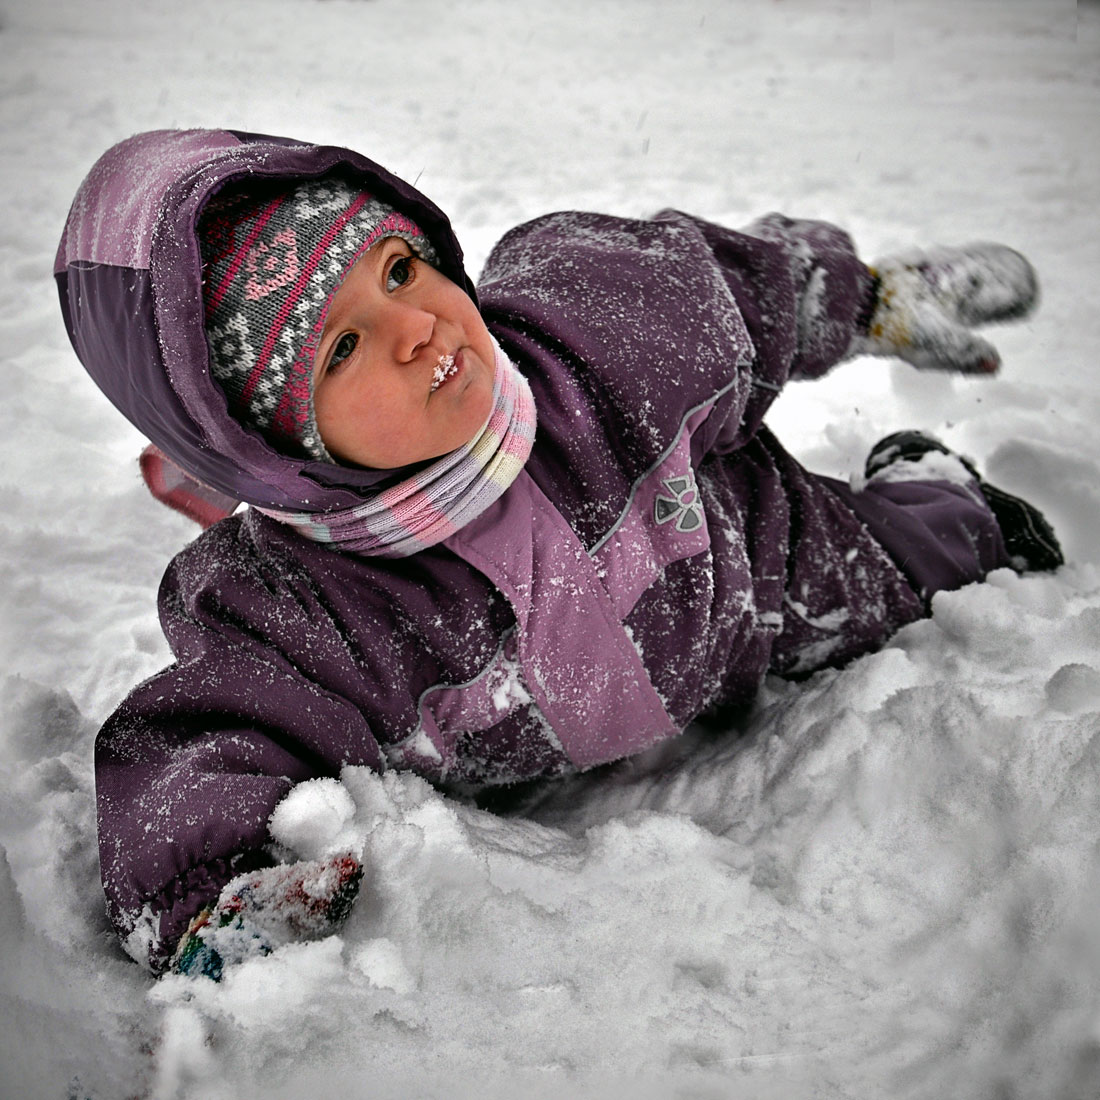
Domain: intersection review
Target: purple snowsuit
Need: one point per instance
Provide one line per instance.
(659, 554)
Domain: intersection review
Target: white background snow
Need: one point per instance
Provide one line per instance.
(885, 883)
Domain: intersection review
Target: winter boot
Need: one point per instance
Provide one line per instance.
(1029, 539)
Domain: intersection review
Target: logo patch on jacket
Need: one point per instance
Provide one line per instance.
(683, 507)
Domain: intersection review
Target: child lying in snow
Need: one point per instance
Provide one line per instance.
(425, 581)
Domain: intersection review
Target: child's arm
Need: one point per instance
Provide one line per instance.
(800, 286)
(188, 772)
(646, 320)
(809, 302)
(194, 761)
(919, 305)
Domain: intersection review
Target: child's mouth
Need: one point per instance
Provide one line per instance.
(444, 369)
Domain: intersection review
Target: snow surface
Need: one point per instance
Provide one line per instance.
(884, 882)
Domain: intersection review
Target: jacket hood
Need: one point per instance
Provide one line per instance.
(129, 277)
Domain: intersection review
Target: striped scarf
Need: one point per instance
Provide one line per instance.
(434, 503)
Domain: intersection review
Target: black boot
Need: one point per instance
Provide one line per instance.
(1029, 539)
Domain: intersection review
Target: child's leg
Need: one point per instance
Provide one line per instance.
(1029, 541)
(863, 564)
(940, 534)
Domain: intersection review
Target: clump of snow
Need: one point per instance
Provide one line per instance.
(508, 688)
(1074, 689)
(443, 370)
(311, 822)
(381, 962)
(880, 882)
(930, 466)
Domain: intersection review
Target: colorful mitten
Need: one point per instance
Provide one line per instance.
(925, 304)
(257, 912)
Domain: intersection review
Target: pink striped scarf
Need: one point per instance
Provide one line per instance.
(434, 503)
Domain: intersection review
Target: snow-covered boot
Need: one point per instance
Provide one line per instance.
(1029, 539)
(925, 303)
(257, 912)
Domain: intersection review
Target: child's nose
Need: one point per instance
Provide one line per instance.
(412, 329)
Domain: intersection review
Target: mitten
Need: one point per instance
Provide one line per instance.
(923, 305)
(257, 912)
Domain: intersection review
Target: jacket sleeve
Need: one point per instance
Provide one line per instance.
(640, 321)
(802, 292)
(801, 289)
(191, 765)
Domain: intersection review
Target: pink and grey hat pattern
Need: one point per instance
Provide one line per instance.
(272, 261)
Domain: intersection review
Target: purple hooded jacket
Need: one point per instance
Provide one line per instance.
(659, 554)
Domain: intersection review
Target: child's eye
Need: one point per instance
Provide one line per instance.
(342, 349)
(400, 272)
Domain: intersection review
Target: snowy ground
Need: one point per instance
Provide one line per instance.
(885, 884)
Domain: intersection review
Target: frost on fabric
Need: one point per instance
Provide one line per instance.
(421, 745)
(508, 690)
(817, 654)
(883, 883)
(143, 940)
(811, 307)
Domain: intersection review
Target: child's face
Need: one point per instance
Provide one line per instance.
(390, 329)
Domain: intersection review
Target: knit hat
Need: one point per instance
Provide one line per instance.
(273, 258)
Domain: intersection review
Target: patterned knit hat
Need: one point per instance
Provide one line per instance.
(272, 260)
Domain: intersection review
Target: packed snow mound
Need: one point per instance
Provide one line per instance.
(888, 875)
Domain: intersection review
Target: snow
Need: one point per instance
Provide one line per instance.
(932, 465)
(443, 370)
(883, 881)
(312, 821)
